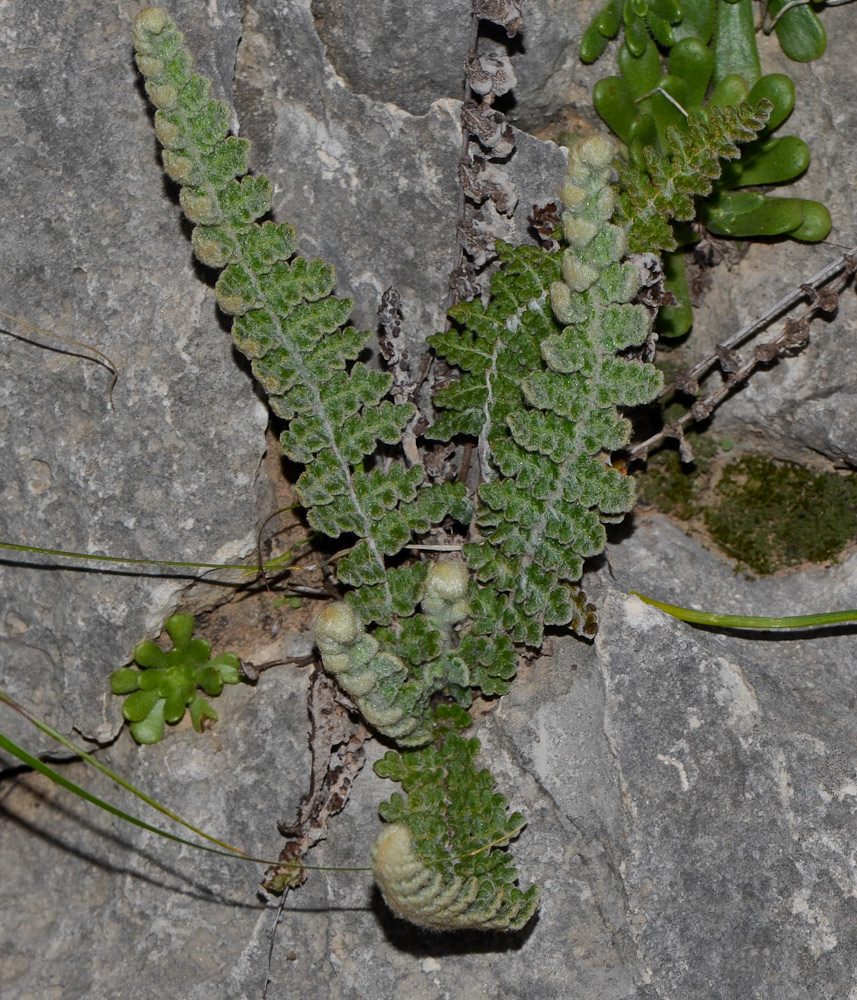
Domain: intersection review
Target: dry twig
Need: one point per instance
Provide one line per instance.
(823, 293)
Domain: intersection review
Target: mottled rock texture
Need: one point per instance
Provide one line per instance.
(94, 250)
(691, 795)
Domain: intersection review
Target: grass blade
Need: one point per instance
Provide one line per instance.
(749, 621)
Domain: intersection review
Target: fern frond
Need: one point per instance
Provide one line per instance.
(494, 344)
(667, 188)
(292, 327)
(543, 398)
(442, 863)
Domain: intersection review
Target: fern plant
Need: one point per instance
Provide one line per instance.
(544, 373)
(540, 386)
(291, 326)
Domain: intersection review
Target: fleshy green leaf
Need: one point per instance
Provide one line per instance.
(774, 161)
(603, 27)
(166, 687)
(734, 42)
(697, 20)
(780, 91)
(693, 61)
(614, 102)
(150, 729)
(732, 215)
(675, 320)
(138, 705)
(642, 73)
(816, 224)
(800, 31)
(124, 680)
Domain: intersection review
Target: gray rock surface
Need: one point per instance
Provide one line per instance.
(408, 54)
(736, 760)
(691, 795)
(380, 197)
(93, 249)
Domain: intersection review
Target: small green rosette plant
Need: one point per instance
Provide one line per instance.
(170, 681)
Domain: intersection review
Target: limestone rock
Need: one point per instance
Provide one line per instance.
(94, 250)
(690, 794)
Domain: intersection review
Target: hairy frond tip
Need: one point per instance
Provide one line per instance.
(666, 189)
(150, 21)
(373, 677)
(445, 597)
(425, 897)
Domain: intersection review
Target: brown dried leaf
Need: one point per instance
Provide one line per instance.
(489, 73)
(489, 127)
(544, 220)
(730, 361)
(652, 292)
(337, 751)
(684, 382)
(766, 352)
(482, 180)
(477, 240)
(826, 300)
(506, 13)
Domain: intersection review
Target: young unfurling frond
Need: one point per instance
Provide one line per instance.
(540, 389)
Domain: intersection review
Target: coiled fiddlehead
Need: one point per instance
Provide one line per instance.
(442, 863)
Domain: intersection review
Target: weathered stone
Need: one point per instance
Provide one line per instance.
(411, 54)
(735, 756)
(690, 794)
(94, 250)
(371, 187)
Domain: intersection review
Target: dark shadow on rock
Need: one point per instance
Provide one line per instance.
(780, 635)
(422, 943)
(192, 888)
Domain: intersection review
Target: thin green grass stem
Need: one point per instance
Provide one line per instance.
(269, 566)
(224, 849)
(749, 621)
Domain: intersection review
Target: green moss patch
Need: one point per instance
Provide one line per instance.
(770, 515)
(673, 486)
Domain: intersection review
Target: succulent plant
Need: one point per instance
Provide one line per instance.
(712, 63)
(169, 681)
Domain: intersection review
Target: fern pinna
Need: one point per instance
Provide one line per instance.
(540, 386)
